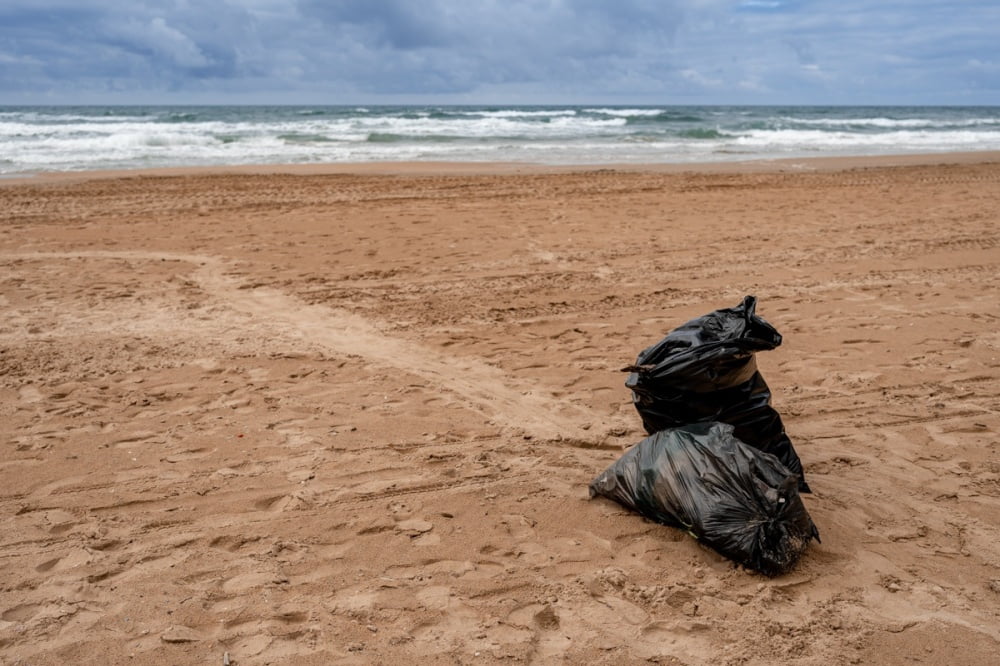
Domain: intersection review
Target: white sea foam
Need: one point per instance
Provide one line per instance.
(903, 139)
(523, 113)
(57, 138)
(628, 113)
(891, 123)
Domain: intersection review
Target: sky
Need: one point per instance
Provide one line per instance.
(500, 52)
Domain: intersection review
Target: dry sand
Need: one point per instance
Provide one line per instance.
(324, 418)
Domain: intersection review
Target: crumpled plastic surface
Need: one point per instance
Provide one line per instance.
(704, 371)
(740, 501)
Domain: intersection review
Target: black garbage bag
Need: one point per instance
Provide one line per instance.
(740, 501)
(705, 371)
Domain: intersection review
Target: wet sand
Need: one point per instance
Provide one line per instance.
(348, 415)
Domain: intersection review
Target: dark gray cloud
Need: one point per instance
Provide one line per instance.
(345, 51)
(456, 47)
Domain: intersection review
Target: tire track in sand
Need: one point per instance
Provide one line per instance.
(478, 386)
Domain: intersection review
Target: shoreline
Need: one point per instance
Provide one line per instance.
(458, 168)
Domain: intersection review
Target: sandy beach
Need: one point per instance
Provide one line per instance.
(348, 415)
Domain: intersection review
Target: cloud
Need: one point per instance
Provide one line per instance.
(345, 51)
(94, 46)
(161, 39)
(761, 5)
(889, 52)
(393, 24)
(457, 46)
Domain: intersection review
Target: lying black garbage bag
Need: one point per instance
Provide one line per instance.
(705, 371)
(738, 500)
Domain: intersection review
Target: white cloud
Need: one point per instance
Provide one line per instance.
(171, 42)
(22, 61)
(694, 76)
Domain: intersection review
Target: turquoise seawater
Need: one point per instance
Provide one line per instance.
(41, 139)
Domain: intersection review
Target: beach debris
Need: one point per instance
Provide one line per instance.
(701, 478)
(705, 371)
(225, 659)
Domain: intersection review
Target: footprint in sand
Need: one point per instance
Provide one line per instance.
(188, 454)
(20, 613)
(419, 531)
(29, 394)
(292, 502)
(74, 558)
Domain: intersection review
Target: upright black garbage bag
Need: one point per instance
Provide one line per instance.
(705, 370)
(740, 501)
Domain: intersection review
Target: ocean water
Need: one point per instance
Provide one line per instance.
(46, 139)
